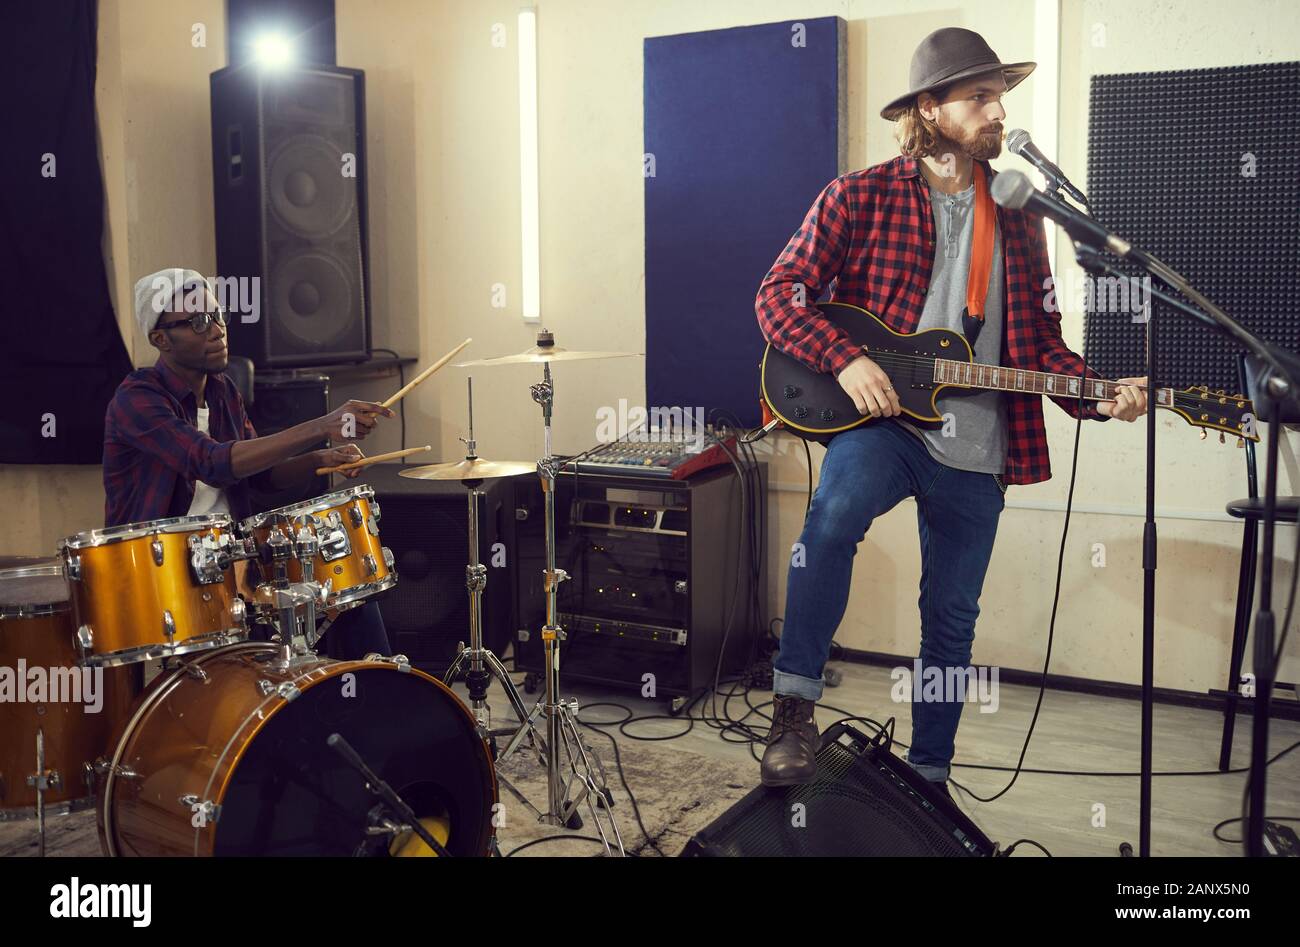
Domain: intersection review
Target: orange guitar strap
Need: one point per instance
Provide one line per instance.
(981, 257)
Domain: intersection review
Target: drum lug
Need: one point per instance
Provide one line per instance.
(354, 511)
(334, 541)
(388, 557)
(286, 689)
(74, 567)
(102, 768)
(169, 625)
(156, 547)
(85, 639)
(208, 811)
(399, 661)
(239, 612)
(372, 525)
(210, 556)
(374, 510)
(372, 567)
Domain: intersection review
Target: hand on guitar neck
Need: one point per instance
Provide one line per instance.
(1130, 400)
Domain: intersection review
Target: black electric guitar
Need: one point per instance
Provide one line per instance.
(939, 362)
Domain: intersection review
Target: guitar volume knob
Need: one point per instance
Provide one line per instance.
(791, 391)
(828, 414)
(801, 412)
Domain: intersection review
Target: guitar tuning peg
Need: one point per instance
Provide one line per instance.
(1241, 442)
(1222, 439)
(1204, 432)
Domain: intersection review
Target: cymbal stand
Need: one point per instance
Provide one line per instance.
(483, 665)
(561, 723)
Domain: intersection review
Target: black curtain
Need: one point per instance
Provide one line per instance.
(61, 354)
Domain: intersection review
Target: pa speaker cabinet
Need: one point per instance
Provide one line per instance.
(289, 189)
(282, 400)
(426, 525)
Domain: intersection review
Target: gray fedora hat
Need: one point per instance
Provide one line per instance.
(950, 55)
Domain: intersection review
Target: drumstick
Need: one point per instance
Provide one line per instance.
(367, 461)
(424, 374)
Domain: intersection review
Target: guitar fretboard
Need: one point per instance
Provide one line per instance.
(1000, 378)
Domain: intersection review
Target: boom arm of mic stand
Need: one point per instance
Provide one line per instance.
(385, 792)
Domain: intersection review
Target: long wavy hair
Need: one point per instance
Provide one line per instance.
(918, 137)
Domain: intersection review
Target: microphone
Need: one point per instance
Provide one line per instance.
(1013, 190)
(1019, 143)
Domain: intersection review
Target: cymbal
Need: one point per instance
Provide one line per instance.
(543, 353)
(476, 469)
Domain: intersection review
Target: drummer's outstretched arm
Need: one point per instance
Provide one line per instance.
(350, 422)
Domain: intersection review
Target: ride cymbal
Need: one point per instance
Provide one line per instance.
(470, 469)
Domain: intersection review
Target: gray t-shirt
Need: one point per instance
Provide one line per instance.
(977, 434)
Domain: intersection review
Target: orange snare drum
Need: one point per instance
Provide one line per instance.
(154, 589)
(226, 755)
(350, 556)
(56, 718)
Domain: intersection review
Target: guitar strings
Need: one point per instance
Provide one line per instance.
(903, 361)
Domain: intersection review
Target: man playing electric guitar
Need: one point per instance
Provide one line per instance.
(918, 242)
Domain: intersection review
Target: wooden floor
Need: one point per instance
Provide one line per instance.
(1069, 815)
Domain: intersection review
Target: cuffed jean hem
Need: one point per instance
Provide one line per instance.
(935, 774)
(793, 685)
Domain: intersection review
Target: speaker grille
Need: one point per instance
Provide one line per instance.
(424, 525)
(289, 174)
(1200, 168)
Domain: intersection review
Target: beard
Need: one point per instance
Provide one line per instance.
(982, 145)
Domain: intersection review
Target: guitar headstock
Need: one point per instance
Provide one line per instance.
(1218, 411)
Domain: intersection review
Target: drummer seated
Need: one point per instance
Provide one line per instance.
(178, 442)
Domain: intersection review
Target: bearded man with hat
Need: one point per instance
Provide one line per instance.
(918, 242)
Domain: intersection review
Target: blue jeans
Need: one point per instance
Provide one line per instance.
(866, 472)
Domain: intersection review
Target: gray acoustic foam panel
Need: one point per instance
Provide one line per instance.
(1202, 168)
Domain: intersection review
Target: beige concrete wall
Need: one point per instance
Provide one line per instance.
(444, 200)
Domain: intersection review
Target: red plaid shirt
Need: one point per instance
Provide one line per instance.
(869, 237)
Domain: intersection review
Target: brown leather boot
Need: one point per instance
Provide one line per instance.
(790, 757)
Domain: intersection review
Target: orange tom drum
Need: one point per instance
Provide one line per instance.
(350, 556)
(154, 589)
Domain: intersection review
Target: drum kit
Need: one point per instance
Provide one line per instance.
(244, 747)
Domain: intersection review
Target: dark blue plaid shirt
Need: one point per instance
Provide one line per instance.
(154, 451)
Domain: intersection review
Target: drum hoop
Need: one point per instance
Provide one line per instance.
(153, 694)
(325, 501)
(33, 609)
(264, 715)
(116, 534)
(164, 687)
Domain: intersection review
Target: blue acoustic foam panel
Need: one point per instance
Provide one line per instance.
(743, 129)
(1200, 167)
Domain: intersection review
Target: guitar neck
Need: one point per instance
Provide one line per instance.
(1000, 378)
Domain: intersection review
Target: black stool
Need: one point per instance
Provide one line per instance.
(1251, 510)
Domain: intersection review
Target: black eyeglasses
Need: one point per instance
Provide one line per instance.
(199, 322)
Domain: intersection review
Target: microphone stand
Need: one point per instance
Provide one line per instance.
(1091, 261)
(385, 792)
(1277, 382)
